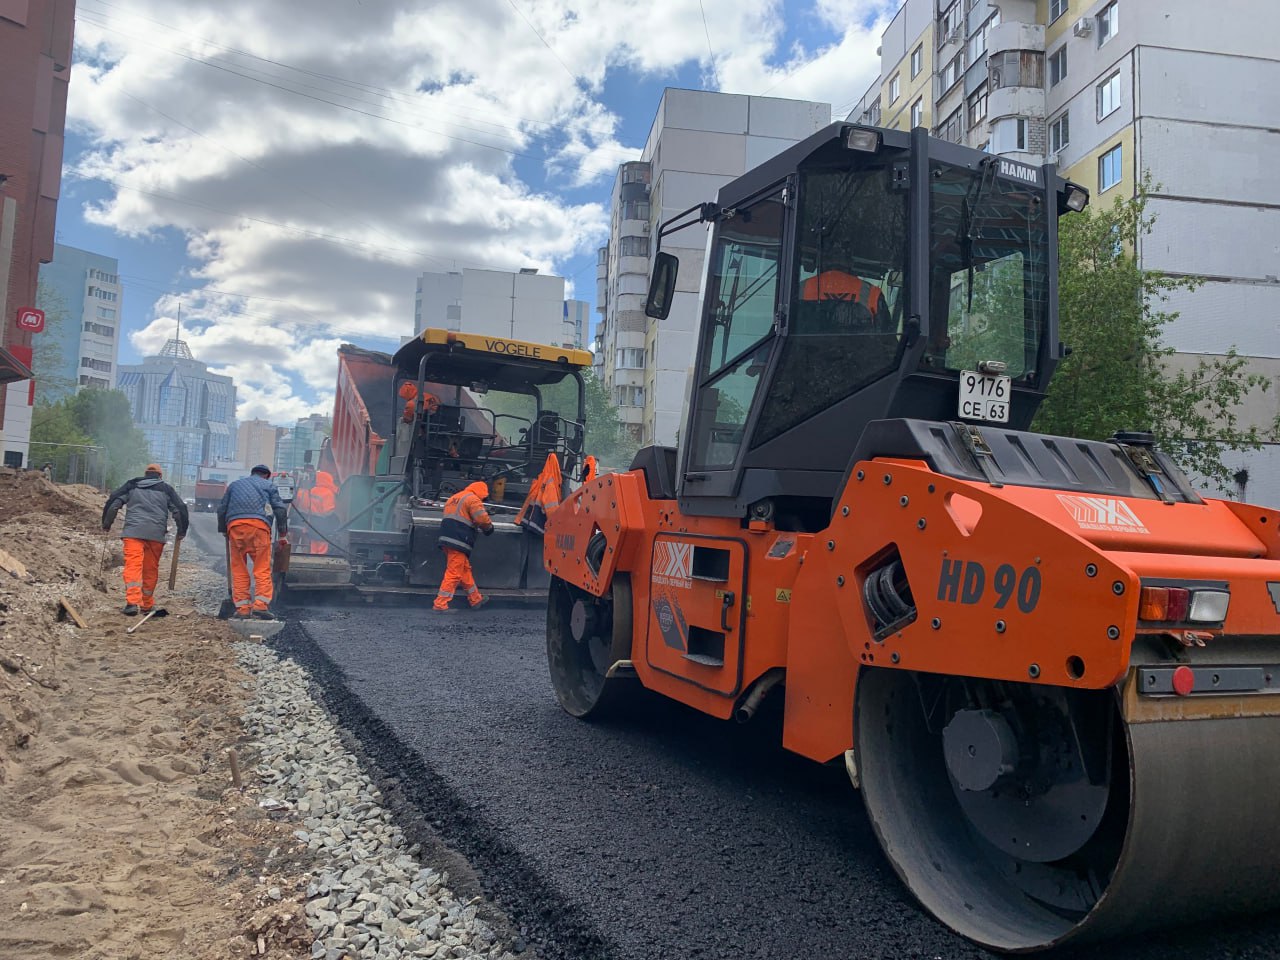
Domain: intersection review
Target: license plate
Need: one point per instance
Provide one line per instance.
(984, 397)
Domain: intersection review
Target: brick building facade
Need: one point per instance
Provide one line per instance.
(35, 66)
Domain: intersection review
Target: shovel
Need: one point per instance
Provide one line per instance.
(228, 607)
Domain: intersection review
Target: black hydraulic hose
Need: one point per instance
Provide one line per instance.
(303, 514)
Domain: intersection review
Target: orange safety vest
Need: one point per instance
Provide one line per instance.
(838, 285)
(544, 496)
(463, 512)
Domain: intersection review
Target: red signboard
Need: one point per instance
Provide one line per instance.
(30, 319)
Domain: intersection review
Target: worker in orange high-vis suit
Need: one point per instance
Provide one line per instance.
(148, 503)
(409, 393)
(317, 504)
(845, 287)
(464, 513)
(245, 515)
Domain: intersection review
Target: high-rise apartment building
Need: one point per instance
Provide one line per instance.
(82, 290)
(35, 64)
(187, 414)
(299, 445)
(256, 443)
(698, 142)
(521, 306)
(1110, 90)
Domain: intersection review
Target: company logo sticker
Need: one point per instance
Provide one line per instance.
(673, 564)
(1102, 513)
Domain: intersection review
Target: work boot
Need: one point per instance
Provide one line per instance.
(130, 610)
(484, 601)
(242, 614)
(263, 615)
(443, 610)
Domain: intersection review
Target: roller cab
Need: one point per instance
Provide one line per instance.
(1050, 664)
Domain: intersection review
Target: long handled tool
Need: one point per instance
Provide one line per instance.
(157, 612)
(228, 606)
(173, 565)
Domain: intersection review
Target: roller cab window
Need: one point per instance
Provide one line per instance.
(740, 307)
(847, 295)
(989, 282)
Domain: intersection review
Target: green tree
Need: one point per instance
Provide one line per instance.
(1118, 377)
(90, 418)
(48, 361)
(104, 415)
(56, 438)
(607, 438)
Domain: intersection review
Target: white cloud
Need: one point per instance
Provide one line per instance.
(309, 196)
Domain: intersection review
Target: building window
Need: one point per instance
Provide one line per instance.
(1109, 95)
(1059, 133)
(978, 106)
(952, 128)
(635, 210)
(106, 313)
(88, 381)
(1057, 8)
(630, 358)
(89, 362)
(1110, 168)
(1058, 66)
(978, 42)
(951, 73)
(1016, 68)
(1108, 23)
(917, 113)
(949, 23)
(1020, 134)
(629, 396)
(101, 329)
(895, 86)
(633, 246)
(917, 61)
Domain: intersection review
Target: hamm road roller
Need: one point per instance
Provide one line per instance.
(1049, 664)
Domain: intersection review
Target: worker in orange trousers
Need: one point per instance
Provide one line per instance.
(464, 513)
(244, 516)
(148, 503)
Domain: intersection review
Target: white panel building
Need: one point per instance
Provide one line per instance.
(524, 306)
(698, 142)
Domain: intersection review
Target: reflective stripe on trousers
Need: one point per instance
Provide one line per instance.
(457, 573)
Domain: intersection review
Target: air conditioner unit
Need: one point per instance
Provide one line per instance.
(644, 227)
(1083, 27)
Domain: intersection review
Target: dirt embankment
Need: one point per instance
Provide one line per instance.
(123, 837)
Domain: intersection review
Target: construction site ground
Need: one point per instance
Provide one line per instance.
(123, 836)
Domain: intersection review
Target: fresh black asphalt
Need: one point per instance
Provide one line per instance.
(668, 834)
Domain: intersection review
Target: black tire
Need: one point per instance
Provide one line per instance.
(578, 667)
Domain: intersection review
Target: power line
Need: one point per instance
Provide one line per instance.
(715, 74)
(573, 76)
(262, 169)
(89, 17)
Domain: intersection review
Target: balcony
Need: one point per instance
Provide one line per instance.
(1015, 35)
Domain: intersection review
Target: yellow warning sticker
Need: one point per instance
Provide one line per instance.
(782, 595)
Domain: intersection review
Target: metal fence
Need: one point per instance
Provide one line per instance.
(70, 462)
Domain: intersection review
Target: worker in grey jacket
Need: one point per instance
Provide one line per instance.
(148, 503)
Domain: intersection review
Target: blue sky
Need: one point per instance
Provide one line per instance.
(283, 172)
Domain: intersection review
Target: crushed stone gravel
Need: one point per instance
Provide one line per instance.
(370, 897)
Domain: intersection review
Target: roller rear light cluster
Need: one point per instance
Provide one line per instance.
(1170, 603)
